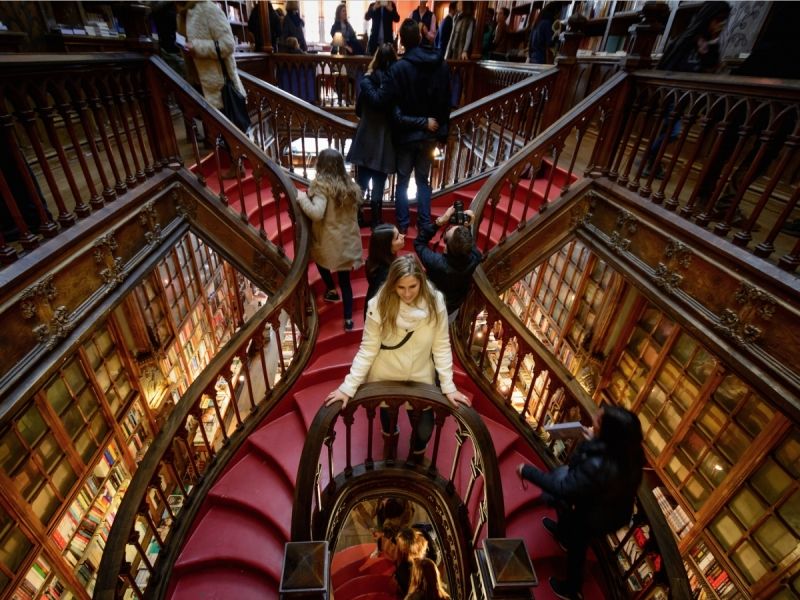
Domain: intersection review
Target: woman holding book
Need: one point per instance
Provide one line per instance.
(594, 495)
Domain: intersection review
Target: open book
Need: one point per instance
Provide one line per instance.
(567, 430)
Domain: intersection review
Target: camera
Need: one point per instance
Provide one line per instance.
(459, 217)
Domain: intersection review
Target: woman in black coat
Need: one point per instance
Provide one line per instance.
(594, 494)
(372, 150)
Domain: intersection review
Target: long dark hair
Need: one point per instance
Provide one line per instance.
(385, 57)
(380, 248)
(678, 49)
(621, 432)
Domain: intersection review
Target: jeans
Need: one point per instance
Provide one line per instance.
(423, 433)
(417, 157)
(365, 175)
(344, 284)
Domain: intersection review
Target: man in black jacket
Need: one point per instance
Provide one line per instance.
(418, 92)
(450, 271)
(382, 15)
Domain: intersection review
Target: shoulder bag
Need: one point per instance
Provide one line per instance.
(234, 104)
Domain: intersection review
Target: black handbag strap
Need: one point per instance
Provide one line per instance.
(396, 346)
(221, 62)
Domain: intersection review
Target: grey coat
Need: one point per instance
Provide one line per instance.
(372, 145)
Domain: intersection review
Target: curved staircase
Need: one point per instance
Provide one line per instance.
(235, 547)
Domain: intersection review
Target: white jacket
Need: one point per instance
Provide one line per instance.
(205, 23)
(335, 236)
(411, 362)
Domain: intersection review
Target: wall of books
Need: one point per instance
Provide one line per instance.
(66, 458)
(727, 462)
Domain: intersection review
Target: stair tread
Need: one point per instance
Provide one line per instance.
(282, 440)
(222, 583)
(229, 535)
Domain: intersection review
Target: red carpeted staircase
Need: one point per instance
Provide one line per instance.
(236, 544)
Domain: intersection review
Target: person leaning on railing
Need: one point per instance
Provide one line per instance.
(595, 492)
(405, 339)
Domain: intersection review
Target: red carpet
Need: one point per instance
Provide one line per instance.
(236, 544)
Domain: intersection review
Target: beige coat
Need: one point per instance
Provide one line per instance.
(335, 237)
(205, 23)
(424, 354)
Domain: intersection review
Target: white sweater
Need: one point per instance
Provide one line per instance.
(425, 353)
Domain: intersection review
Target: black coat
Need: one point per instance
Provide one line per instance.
(372, 145)
(418, 88)
(451, 276)
(597, 488)
(374, 14)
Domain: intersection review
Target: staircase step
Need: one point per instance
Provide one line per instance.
(222, 583)
(227, 535)
(253, 486)
(282, 440)
(365, 584)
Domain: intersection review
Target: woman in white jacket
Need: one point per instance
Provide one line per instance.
(205, 23)
(405, 339)
(332, 205)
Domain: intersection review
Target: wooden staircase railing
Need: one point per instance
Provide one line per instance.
(323, 490)
(483, 134)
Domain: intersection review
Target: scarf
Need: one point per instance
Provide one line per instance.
(410, 316)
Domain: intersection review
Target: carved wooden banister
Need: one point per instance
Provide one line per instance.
(394, 395)
(720, 152)
(538, 391)
(184, 460)
(551, 155)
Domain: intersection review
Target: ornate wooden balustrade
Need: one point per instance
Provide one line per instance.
(521, 375)
(718, 151)
(482, 134)
(325, 491)
(251, 373)
(551, 158)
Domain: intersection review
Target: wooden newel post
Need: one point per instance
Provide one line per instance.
(642, 36)
(566, 61)
(306, 571)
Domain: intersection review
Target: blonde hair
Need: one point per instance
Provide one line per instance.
(332, 180)
(425, 581)
(411, 543)
(407, 265)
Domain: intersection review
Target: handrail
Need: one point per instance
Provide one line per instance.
(184, 459)
(395, 395)
(548, 159)
(172, 467)
(541, 391)
(253, 171)
(716, 150)
(481, 135)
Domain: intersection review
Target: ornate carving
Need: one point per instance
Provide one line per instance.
(580, 214)
(665, 279)
(627, 225)
(149, 220)
(449, 544)
(43, 291)
(186, 205)
(268, 275)
(678, 252)
(112, 271)
(739, 324)
(54, 323)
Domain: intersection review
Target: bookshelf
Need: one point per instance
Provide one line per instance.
(41, 582)
(83, 529)
(238, 12)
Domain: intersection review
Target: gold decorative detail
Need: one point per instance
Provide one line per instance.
(149, 220)
(739, 324)
(618, 243)
(186, 206)
(112, 271)
(677, 256)
(54, 323)
(449, 544)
